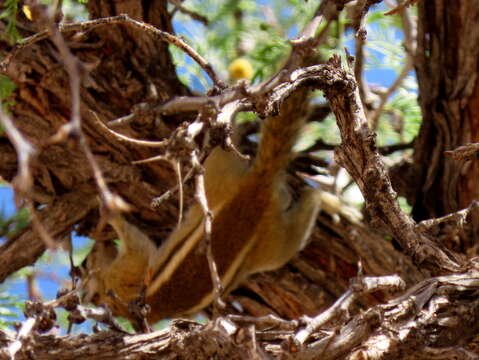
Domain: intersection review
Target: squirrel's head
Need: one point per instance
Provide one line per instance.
(92, 270)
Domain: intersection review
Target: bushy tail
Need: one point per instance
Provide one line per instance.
(279, 133)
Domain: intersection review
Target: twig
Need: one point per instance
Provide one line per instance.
(238, 17)
(25, 152)
(383, 150)
(318, 112)
(120, 19)
(70, 301)
(374, 119)
(63, 28)
(465, 152)
(410, 31)
(339, 307)
(176, 165)
(447, 353)
(22, 336)
(39, 228)
(24, 181)
(459, 217)
(401, 6)
(310, 29)
(32, 288)
(410, 45)
(101, 315)
(156, 202)
(391, 330)
(364, 91)
(224, 121)
(440, 312)
(304, 47)
(73, 127)
(321, 145)
(358, 286)
(200, 194)
(389, 149)
(192, 14)
(195, 103)
(265, 321)
(328, 10)
(174, 40)
(121, 121)
(126, 139)
(360, 17)
(359, 156)
(182, 144)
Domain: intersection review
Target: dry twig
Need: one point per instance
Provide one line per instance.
(401, 7)
(341, 307)
(459, 217)
(465, 152)
(26, 152)
(194, 15)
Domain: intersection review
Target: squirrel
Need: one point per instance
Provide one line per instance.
(257, 226)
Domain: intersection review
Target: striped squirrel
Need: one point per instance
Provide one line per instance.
(257, 226)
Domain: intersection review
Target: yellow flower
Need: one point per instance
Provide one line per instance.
(240, 69)
(28, 12)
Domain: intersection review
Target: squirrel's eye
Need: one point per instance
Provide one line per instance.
(96, 299)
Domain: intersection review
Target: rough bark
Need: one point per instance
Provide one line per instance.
(417, 325)
(447, 71)
(125, 64)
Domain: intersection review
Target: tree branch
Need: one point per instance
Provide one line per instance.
(24, 249)
(432, 316)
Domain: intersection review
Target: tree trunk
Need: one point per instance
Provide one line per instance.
(447, 65)
(126, 67)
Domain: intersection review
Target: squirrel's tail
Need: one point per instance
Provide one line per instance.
(279, 134)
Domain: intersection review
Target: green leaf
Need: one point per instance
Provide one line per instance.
(10, 8)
